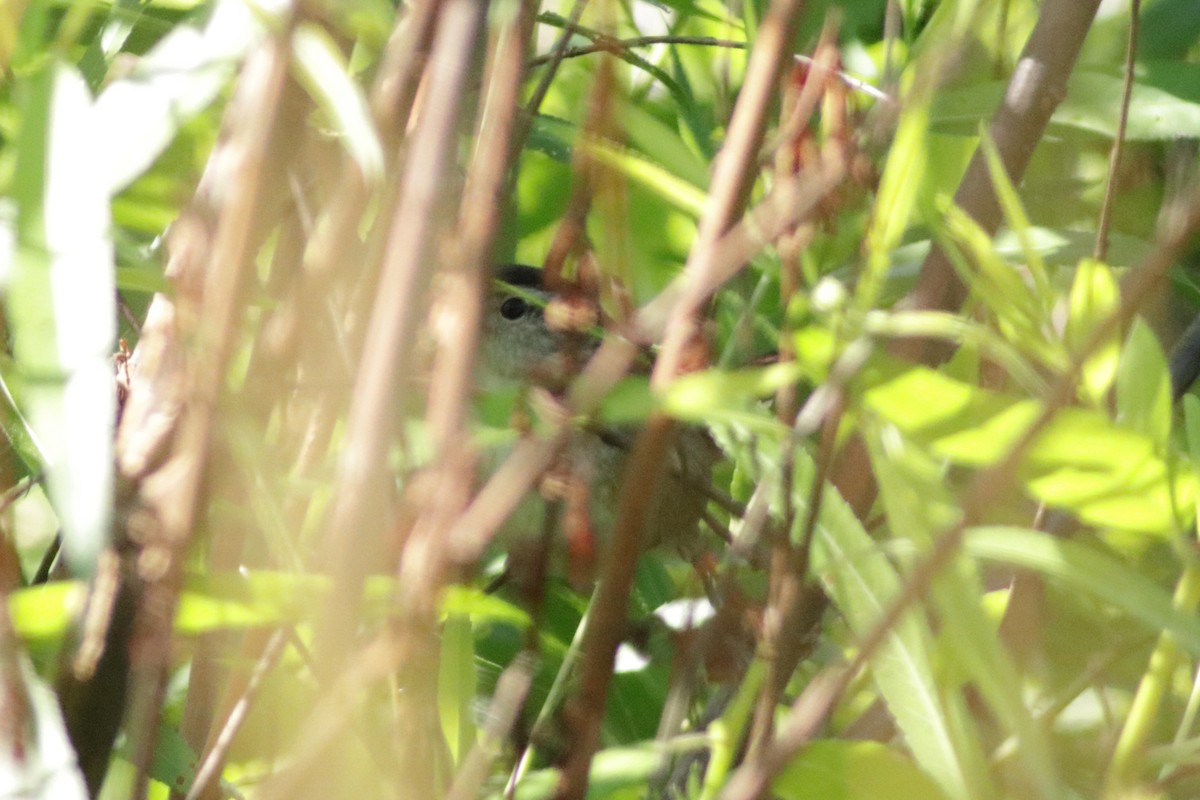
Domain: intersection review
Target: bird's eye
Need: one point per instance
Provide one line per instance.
(513, 308)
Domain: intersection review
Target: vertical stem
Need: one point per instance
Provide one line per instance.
(1114, 158)
(1129, 756)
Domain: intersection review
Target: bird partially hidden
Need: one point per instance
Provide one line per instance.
(519, 348)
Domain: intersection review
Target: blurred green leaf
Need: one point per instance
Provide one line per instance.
(174, 763)
(862, 582)
(1165, 103)
(552, 137)
(715, 394)
(322, 69)
(457, 686)
(61, 305)
(630, 401)
(482, 607)
(832, 769)
(1191, 427)
(1093, 299)
(955, 328)
(1018, 221)
(1144, 386)
(896, 199)
(665, 146)
(1108, 475)
(41, 613)
(1087, 569)
(137, 116)
(728, 731)
(675, 191)
(919, 508)
(1016, 307)
(224, 601)
(616, 772)
(137, 279)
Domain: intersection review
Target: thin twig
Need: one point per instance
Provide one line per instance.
(606, 626)
(555, 58)
(550, 706)
(465, 274)
(607, 44)
(210, 767)
(1114, 158)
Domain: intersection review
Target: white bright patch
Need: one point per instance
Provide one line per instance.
(629, 660)
(137, 116)
(680, 615)
(828, 294)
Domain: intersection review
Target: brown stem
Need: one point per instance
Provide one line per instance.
(170, 497)
(734, 173)
(1114, 159)
(214, 758)
(606, 626)
(356, 524)
(1037, 86)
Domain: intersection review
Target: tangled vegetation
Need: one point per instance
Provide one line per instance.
(905, 272)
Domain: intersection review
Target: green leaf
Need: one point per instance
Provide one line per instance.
(138, 279)
(896, 199)
(62, 307)
(616, 772)
(862, 582)
(457, 685)
(1094, 297)
(1017, 308)
(137, 116)
(955, 328)
(1018, 220)
(919, 507)
(552, 137)
(174, 763)
(728, 731)
(42, 613)
(1106, 474)
(1191, 421)
(715, 396)
(664, 145)
(1165, 104)
(1087, 569)
(1156, 112)
(225, 601)
(1059, 247)
(675, 191)
(847, 770)
(480, 606)
(630, 401)
(323, 71)
(1144, 386)
(228, 601)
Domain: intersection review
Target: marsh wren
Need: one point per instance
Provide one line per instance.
(519, 347)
